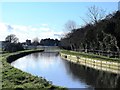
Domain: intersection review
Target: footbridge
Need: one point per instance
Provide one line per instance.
(45, 48)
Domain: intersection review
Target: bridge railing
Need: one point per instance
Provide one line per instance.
(49, 48)
(45, 48)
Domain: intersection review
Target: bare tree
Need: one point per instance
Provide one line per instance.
(11, 38)
(95, 14)
(70, 25)
(11, 44)
(36, 41)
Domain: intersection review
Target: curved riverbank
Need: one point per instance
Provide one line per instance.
(15, 56)
(92, 61)
(15, 78)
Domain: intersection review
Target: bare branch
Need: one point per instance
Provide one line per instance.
(12, 38)
(70, 25)
(95, 14)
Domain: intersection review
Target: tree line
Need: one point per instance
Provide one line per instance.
(12, 44)
(101, 33)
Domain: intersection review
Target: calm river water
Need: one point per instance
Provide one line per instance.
(63, 73)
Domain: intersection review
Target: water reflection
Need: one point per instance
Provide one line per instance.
(95, 78)
(64, 73)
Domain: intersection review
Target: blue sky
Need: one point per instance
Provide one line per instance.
(44, 19)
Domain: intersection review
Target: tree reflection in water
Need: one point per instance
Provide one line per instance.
(64, 73)
(95, 78)
(36, 56)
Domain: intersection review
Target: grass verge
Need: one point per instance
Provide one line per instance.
(88, 55)
(15, 78)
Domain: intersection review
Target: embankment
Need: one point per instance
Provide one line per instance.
(15, 78)
(15, 56)
(92, 61)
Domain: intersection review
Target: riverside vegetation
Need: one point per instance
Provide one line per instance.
(103, 63)
(90, 55)
(101, 36)
(15, 78)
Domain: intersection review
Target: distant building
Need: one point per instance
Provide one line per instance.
(28, 42)
(50, 42)
(119, 6)
(0, 44)
(3, 44)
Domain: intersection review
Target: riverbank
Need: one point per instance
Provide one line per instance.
(15, 78)
(93, 61)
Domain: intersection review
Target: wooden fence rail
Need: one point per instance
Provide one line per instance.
(110, 54)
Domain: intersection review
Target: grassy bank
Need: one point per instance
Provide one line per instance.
(88, 55)
(15, 78)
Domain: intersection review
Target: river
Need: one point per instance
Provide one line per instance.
(63, 73)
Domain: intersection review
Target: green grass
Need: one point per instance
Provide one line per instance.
(88, 55)
(15, 78)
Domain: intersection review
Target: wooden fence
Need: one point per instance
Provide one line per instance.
(110, 54)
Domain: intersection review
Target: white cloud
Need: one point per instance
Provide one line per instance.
(45, 29)
(3, 31)
(28, 32)
(44, 25)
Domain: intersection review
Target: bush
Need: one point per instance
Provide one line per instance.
(13, 47)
